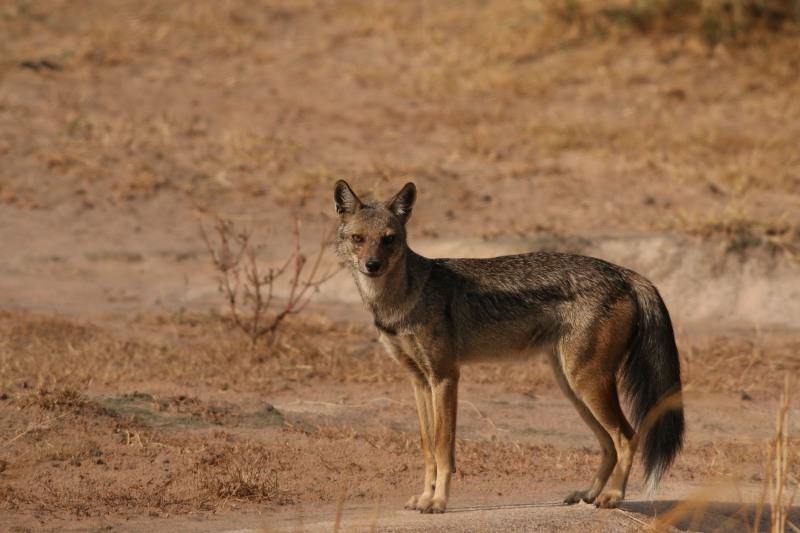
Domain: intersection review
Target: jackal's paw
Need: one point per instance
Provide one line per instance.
(436, 505)
(608, 500)
(418, 502)
(577, 497)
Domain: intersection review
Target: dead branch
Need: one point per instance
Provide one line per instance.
(250, 293)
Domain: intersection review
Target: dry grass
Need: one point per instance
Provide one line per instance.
(241, 472)
(752, 364)
(743, 234)
(781, 483)
(51, 362)
(54, 360)
(734, 464)
(183, 471)
(494, 91)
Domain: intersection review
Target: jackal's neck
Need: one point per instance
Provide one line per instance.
(392, 296)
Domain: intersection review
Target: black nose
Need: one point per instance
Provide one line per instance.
(373, 266)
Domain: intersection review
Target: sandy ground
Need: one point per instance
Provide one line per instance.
(128, 402)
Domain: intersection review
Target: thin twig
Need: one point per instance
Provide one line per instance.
(35, 426)
(482, 416)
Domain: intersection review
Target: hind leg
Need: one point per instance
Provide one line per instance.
(588, 378)
(610, 415)
(603, 415)
(605, 409)
(597, 402)
(608, 458)
(588, 373)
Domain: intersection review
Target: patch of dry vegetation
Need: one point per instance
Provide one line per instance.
(781, 485)
(734, 464)
(513, 92)
(50, 362)
(42, 354)
(237, 473)
(753, 365)
(171, 466)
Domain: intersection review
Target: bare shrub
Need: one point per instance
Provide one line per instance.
(250, 291)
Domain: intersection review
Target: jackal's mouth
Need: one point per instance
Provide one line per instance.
(374, 269)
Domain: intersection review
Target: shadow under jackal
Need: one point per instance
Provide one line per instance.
(602, 327)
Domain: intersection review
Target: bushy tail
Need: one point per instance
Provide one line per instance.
(651, 380)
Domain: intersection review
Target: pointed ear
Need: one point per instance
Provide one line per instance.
(403, 202)
(347, 202)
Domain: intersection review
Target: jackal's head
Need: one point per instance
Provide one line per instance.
(372, 236)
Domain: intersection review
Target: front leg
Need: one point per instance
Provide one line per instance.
(445, 406)
(422, 393)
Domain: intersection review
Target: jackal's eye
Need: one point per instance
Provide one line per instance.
(358, 239)
(388, 239)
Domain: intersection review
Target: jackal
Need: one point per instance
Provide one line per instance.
(602, 327)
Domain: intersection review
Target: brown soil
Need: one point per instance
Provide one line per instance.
(130, 402)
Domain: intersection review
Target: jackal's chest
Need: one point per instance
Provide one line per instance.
(408, 352)
(392, 317)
